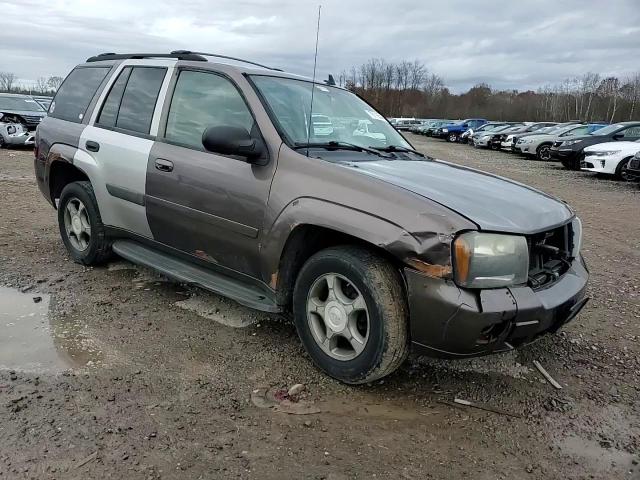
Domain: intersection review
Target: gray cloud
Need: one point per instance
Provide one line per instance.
(506, 44)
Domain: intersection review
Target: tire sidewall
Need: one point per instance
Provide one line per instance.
(620, 167)
(75, 190)
(350, 371)
(539, 151)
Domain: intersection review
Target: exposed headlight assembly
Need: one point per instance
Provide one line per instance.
(490, 260)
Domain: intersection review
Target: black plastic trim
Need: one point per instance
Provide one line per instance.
(126, 194)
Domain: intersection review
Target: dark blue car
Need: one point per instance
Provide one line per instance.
(452, 132)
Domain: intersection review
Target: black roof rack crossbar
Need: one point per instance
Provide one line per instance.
(128, 56)
(188, 52)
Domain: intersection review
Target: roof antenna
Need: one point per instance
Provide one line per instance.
(313, 85)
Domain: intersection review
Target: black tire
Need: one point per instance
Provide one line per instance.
(99, 246)
(621, 170)
(382, 288)
(543, 152)
(3, 143)
(573, 164)
(452, 137)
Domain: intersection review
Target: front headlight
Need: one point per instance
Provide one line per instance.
(576, 237)
(606, 153)
(445, 130)
(485, 137)
(490, 260)
(568, 143)
(527, 140)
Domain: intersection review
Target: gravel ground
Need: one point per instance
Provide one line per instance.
(114, 372)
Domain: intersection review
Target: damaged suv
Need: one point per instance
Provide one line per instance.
(19, 117)
(211, 172)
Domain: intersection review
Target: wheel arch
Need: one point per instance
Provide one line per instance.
(309, 225)
(61, 170)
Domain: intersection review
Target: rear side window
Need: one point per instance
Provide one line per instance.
(76, 92)
(201, 100)
(109, 112)
(139, 99)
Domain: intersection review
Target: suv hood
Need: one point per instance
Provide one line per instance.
(603, 147)
(491, 202)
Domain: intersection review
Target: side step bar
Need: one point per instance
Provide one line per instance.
(186, 272)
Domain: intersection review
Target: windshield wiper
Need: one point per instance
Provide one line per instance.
(396, 148)
(334, 145)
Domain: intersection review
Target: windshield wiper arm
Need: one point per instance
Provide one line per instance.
(396, 148)
(334, 145)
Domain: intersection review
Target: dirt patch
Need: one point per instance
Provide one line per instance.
(169, 392)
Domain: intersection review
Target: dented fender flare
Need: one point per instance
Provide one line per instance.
(432, 248)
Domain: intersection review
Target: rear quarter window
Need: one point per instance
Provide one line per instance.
(76, 92)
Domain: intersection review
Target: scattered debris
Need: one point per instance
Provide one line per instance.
(467, 403)
(87, 459)
(546, 375)
(296, 390)
(279, 400)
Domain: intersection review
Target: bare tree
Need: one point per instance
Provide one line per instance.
(7, 81)
(42, 85)
(54, 82)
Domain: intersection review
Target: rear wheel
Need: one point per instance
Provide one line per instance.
(81, 226)
(3, 143)
(543, 152)
(351, 314)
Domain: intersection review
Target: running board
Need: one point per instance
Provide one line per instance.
(186, 272)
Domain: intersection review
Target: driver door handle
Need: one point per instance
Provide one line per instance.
(164, 165)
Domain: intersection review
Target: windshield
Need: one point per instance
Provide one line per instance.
(290, 101)
(609, 129)
(20, 103)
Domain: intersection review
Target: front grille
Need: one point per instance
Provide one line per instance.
(586, 165)
(549, 256)
(32, 119)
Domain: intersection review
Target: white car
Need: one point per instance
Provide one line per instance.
(539, 145)
(611, 158)
(322, 125)
(366, 129)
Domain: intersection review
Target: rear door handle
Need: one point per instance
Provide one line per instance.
(164, 165)
(92, 146)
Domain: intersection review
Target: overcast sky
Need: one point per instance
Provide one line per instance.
(508, 44)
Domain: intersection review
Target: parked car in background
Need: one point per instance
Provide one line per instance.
(322, 125)
(406, 124)
(542, 131)
(610, 158)
(466, 136)
(509, 140)
(539, 145)
(482, 139)
(634, 166)
(453, 131)
(433, 128)
(498, 137)
(19, 117)
(571, 151)
(422, 123)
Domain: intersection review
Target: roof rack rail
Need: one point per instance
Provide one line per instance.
(188, 52)
(128, 56)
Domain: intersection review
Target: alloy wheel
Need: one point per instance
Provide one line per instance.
(338, 317)
(77, 224)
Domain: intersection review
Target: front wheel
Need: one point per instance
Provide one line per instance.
(351, 314)
(622, 171)
(81, 226)
(543, 152)
(452, 137)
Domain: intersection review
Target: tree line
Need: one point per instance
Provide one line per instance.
(43, 86)
(410, 89)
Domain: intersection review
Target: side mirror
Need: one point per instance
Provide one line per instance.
(228, 140)
(618, 136)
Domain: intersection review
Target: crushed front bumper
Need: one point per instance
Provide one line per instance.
(448, 321)
(19, 138)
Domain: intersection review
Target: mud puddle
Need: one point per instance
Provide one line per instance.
(32, 340)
